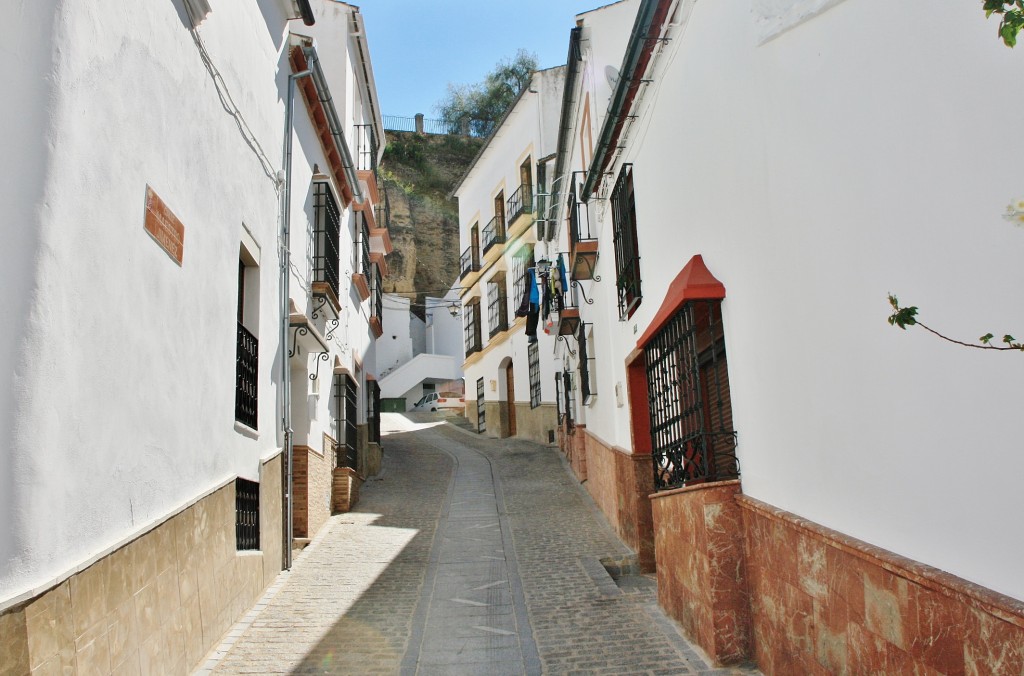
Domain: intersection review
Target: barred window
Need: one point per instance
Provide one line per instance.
(627, 249)
(534, 357)
(497, 305)
(345, 400)
(481, 422)
(326, 236)
(247, 514)
(520, 262)
(585, 358)
(690, 405)
(472, 326)
(566, 400)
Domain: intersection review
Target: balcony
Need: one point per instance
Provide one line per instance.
(469, 261)
(494, 233)
(361, 279)
(583, 247)
(520, 203)
(365, 151)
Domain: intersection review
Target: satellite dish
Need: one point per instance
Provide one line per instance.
(611, 73)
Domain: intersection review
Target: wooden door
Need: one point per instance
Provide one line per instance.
(510, 400)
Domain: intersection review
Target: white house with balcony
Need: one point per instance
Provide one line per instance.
(744, 185)
(510, 359)
(157, 398)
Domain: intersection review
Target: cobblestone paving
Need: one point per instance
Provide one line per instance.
(468, 556)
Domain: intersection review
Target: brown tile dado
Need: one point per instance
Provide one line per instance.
(698, 538)
(155, 605)
(823, 602)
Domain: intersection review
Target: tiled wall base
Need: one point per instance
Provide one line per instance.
(156, 605)
(574, 445)
(531, 423)
(620, 484)
(311, 477)
(346, 489)
(698, 539)
(374, 457)
(825, 603)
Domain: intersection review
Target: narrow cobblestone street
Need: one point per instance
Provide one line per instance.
(465, 555)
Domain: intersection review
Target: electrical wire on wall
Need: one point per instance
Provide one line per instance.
(229, 104)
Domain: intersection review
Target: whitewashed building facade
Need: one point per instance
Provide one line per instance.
(149, 339)
(753, 179)
(509, 375)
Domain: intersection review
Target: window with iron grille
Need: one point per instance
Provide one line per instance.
(627, 249)
(363, 246)
(688, 394)
(472, 326)
(567, 407)
(345, 421)
(585, 357)
(520, 262)
(247, 352)
(373, 411)
(497, 305)
(481, 423)
(247, 514)
(534, 358)
(376, 294)
(326, 236)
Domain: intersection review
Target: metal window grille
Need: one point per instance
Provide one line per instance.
(520, 262)
(568, 401)
(688, 394)
(246, 377)
(481, 408)
(373, 411)
(497, 306)
(627, 249)
(472, 327)
(579, 217)
(345, 400)
(363, 246)
(534, 358)
(586, 390)
(247, 514)
(326, 236)
(376, 294)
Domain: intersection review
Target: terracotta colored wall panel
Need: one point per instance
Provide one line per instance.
(698, 538)
(822, 602)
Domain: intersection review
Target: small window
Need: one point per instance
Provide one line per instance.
(345, 400)
(247, 515)
(472, 327)
(627, 249)
(586, 358)
(534, 358)
(497, 305)
(247, 348)
(481, 423)
(326, 237)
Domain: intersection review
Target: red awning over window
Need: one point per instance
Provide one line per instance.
(694, 282)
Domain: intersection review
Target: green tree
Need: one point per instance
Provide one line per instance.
(478, 107)
(1011, 15)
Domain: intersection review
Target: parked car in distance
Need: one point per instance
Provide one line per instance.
(435, 401)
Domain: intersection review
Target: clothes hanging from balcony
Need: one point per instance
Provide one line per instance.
(529, 306)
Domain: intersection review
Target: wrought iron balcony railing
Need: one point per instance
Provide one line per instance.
(469, 261)
(520, 202)
(494, 233)
(366, 148)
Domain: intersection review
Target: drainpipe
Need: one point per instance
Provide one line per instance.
(286, 375)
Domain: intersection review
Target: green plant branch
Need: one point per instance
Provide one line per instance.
(1011, 15)
(902, 317)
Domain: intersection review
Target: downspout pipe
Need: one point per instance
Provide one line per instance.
(649, 18)
(337, 130)
(286, 374)
(572, 64)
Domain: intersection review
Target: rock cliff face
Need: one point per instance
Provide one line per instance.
(418, 171)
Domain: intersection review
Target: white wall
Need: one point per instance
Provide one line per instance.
(126, 373)
(443, 331)
(852, 155)
(395, 346)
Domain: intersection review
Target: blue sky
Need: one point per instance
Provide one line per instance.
(419, 46)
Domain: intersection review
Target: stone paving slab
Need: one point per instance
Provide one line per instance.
(466, 555)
